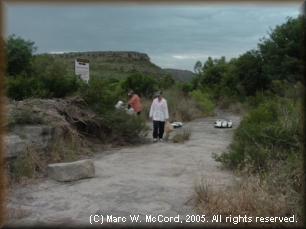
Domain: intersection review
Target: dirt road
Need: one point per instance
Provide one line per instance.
(151, 180)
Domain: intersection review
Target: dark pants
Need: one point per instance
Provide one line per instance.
(158, 129)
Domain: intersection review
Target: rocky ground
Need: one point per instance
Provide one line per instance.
(153, 181)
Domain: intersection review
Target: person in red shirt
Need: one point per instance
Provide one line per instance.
(135, 101)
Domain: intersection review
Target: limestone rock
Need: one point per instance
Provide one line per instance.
(30, 136)
(122, 54)
(14, 145)
(71, 171)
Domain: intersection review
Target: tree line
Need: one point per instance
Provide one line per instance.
(275, 64)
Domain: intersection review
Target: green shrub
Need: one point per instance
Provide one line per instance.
(101, 94)
(25, 116)
(203, 100)
(271, 132)
(48, 79)
(53, 77)
(120, 126)
(21, 86)
(268, 151)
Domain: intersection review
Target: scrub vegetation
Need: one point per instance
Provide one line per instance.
(268, 146)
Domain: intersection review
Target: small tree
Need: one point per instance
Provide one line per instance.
(143, 85)
(281, 51)
(53, 77)
(250, 72)
(167, 81)
(19, 55)
(198, 67)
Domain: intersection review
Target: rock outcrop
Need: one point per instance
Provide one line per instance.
(71, 171)
(38, 123)
(122, 54)
(23, 137)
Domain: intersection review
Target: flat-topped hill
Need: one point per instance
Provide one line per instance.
(113, 64)
(120, 64)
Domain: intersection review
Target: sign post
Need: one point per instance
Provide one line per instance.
(82, 68)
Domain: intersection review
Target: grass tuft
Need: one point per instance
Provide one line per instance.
(182, 135)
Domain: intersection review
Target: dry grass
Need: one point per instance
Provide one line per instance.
(32, 163)
(69, 114)
(238, 108)
(67, 149)
(145, 110)
(248, 197)
(182, 135)
(181, 109)
(26, 165)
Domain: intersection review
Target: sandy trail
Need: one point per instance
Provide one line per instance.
(151, 180)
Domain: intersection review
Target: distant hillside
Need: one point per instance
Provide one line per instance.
(113, 64)
(183, 75)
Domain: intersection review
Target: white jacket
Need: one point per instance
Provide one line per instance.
(159, 110)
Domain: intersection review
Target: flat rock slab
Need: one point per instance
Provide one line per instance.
(71, 171)
(150, 181)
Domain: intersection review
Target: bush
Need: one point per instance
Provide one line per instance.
(48, 79)
(25, 116)
(54, 80)
(21, 86)
(181, 108)
(203, 100)
(268, 153)
(271, 132)
(121, 127)
(19, 55)
(100, 94)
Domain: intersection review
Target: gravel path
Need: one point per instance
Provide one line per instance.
(154, 181)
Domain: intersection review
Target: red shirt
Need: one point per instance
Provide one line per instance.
(135, 101)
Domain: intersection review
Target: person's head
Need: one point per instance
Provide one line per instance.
(159, 94)
(131, 93)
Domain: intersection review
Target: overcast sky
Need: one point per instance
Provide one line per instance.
(173, 36)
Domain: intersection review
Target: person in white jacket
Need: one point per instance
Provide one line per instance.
(159, 113)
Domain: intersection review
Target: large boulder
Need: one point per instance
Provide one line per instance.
(71, 171)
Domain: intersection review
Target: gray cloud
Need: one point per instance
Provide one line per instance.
(173, 36)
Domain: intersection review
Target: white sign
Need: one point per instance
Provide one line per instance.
(82, 68)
